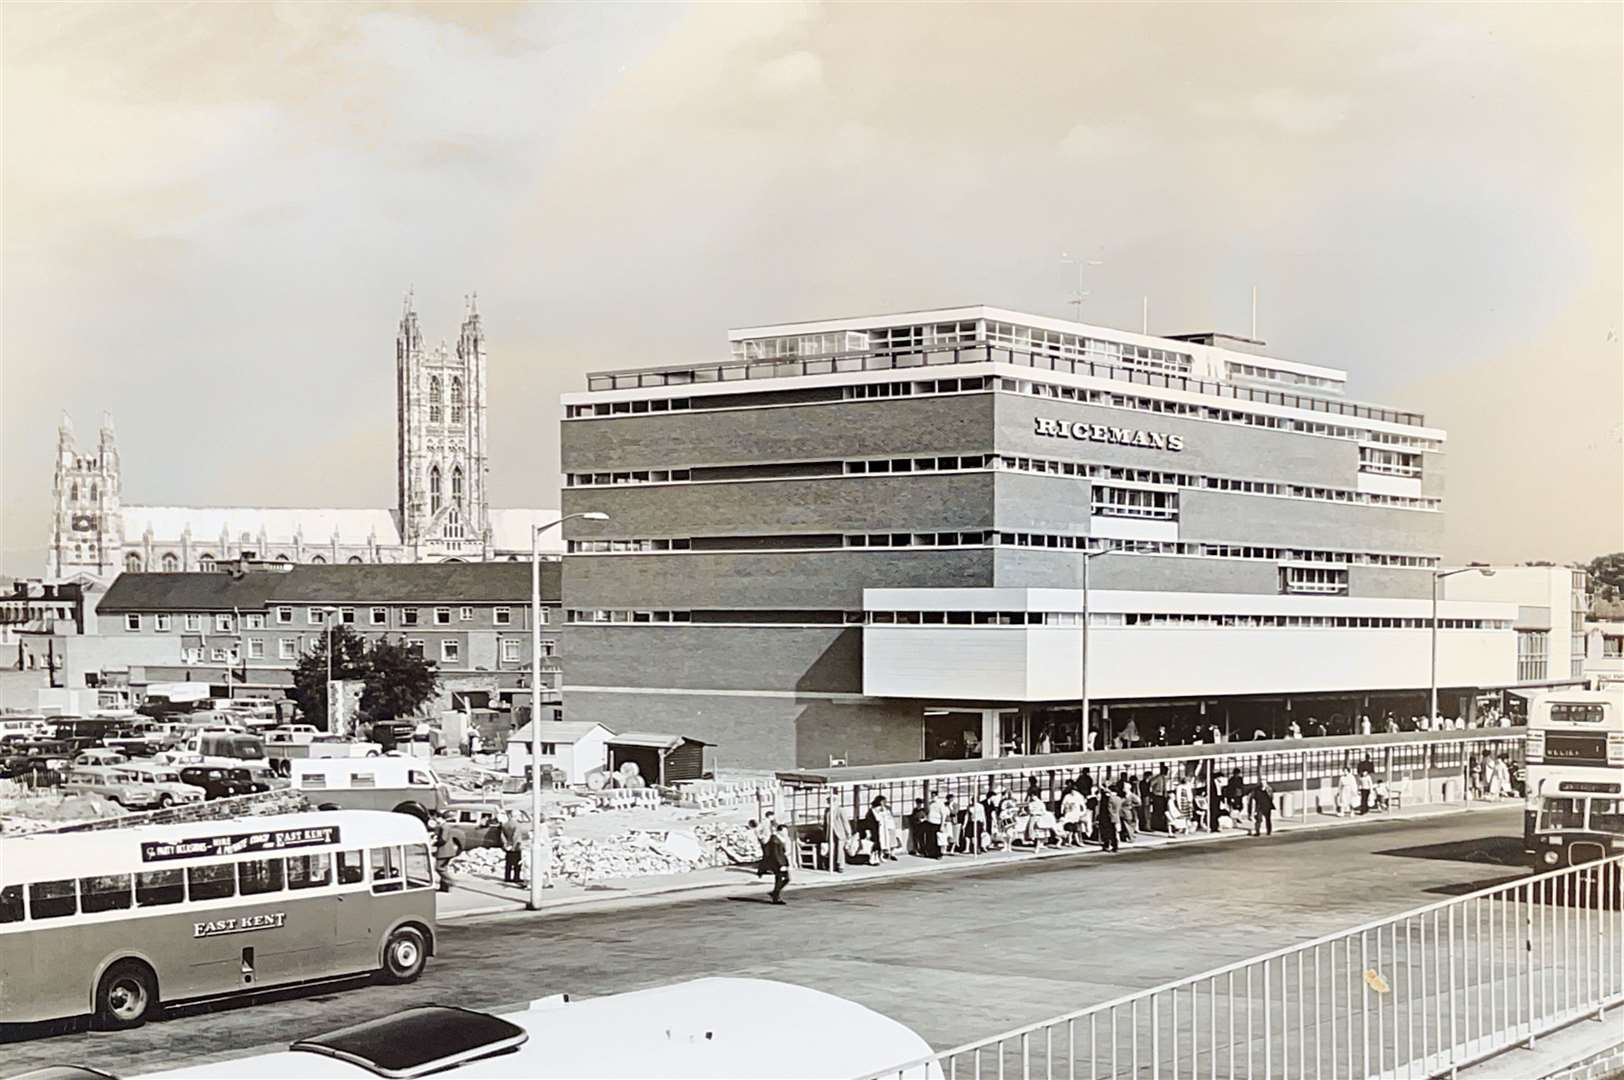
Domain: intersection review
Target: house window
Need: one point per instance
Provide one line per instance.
(346, 615)
(408, 616)
(546, 616)
(284, 615)
(316, 615)
(217, 655)
(254, 621)
(256, 648)
(442, 616)
(194, 623)
(415, 645)
(162, 621)
(510, 650)
(132, 622)
(549, 749)
(380, 616)
(504, 616)
(222, 624)
(549, 647)
(286, 648)
(465, 614)
(450, 650)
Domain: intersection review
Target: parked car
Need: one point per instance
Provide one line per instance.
(34, 771)
(221, 782)
(100, 755)
(474, 825)
(105, 780)
(172, 790)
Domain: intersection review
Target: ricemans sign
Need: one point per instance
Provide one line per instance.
(1105, 433)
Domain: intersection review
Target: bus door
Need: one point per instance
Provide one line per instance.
(356, 911)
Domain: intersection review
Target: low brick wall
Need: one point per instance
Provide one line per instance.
(266, 802)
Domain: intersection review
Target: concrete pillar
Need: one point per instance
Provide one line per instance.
(990, 733)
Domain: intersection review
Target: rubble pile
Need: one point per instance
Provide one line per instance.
(634, 853)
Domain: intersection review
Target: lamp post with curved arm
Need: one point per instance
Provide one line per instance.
(1437, 576)
(535, 695)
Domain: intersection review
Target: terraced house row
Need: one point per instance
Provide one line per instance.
(865, 540)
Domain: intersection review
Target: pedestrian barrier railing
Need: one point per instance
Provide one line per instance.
(1420, 994)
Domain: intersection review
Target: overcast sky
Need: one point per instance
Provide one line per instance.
(211, 214)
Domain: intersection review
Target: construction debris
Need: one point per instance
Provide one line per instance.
(633, 853)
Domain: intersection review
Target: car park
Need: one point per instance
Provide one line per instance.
(106, 781)
(221, 782)
(172, 790)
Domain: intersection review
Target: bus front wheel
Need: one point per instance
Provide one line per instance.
(404, 955)
(127, 995)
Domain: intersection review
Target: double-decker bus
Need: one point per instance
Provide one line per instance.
(1574, 811)
(119, 922)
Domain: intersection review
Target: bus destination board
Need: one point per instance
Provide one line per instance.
(1576, 749)
(238, 843)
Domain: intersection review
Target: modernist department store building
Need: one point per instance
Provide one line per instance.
(858, 540)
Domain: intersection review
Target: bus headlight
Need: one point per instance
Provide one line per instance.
(1551, 858)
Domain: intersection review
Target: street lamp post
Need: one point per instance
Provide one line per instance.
(1437, 576)
(1088, 556)
(327, 614)
(535, 695)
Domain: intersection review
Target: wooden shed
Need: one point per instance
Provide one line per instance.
(661, 759)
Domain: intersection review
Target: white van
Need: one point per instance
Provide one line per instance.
(33, 727)
(402, 784)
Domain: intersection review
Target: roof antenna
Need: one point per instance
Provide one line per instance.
(1082, 293)
(1254, 312)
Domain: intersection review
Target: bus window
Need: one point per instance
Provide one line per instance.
(418, 875)
(419, 778)
(363, 779)
(313, 780)
(1562, 814)
(11, 904)
(386, 869)
(52, 899)
(257, 876)
(1607, 816)
(157, 887)
(349, 868)
(213, 882)
(310, 871)
(104, 892)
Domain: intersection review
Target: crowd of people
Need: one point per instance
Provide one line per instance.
(1191, 731)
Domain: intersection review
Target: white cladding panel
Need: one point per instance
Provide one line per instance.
(1013, 663)
(1380, 484)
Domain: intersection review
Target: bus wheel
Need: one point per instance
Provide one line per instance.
(404, 955)
(128, 994)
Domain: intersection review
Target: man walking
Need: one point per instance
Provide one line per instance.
(445, 849)
(1367, 782)
(1109, 811)
(1262, 808)
(512, 851)
(775, 860)
(1158, 800)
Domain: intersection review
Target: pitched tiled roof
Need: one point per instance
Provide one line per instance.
(419, 583)
(190, 592)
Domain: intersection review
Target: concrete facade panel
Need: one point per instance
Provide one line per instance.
(1160, 573)
(917, 502)
(896, 427)
(831, 580)
(1400, 581)
(1209, 447)
(1049, 504)
(809, 659)
(1306, 523)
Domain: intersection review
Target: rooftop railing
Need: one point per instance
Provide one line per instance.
(785, 368)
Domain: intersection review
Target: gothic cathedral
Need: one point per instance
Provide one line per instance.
(441, 511)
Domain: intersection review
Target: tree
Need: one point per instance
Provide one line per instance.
(399, 680)
(310, 675)
(1607, 576)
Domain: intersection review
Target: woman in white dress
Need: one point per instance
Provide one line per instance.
(1347, 792)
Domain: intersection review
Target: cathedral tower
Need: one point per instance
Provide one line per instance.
(87, 528)
(442, 469)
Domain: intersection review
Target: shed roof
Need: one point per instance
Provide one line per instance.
(655, 739)
(559, 731)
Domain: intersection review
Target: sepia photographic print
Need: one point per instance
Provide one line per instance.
(811, 541)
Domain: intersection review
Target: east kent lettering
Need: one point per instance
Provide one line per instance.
(241, 924)
(1105, 433)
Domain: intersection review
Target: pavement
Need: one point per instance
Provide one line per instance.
(956, 953)
(474, 897)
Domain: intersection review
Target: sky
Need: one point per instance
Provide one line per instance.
(211, 214)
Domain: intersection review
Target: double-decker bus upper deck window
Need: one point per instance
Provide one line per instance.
(52, 899)
(154, 888)
(418, 872)
(350, 871)
(1567, 712)
(386, 869)
(1607, 816)
(104, 892)
(11, 904)
(310, 871)
(258, 876)
(213, 882)
(1562, 814)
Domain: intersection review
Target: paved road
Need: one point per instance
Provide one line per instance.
(955, 956)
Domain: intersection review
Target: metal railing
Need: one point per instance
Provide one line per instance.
(1420, 994)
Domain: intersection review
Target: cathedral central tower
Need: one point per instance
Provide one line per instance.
(440, 406)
